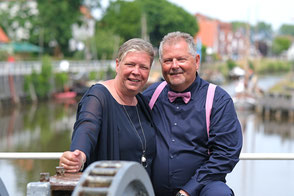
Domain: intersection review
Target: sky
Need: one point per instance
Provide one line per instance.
(274, 12)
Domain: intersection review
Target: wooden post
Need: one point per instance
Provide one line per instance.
(278, 114)
(14, 97)
(291, 115)
(267, 113)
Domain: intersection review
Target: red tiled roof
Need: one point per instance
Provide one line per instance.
(3, 36)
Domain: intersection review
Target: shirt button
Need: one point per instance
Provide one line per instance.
(175, 124)
(178, 107)
(171, 156)
(173, 140)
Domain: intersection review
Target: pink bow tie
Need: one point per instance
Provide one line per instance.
(185, 96)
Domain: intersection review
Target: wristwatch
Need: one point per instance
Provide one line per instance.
(180, 194)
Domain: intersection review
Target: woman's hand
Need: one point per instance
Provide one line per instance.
(72, 161)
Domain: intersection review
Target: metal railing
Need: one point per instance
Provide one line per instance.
(26, 67)
(56, 155)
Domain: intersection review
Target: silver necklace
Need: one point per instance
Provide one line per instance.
(143, 157)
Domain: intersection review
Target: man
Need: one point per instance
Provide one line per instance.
(188, 161)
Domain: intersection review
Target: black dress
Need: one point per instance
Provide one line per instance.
(103, 130)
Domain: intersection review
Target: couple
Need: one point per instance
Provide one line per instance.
(115, 123)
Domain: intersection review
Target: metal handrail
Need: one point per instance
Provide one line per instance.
(57, 155)
(30, 155)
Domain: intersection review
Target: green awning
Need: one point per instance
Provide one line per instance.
(21, 47)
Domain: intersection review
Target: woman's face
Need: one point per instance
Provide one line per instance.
(133, 71)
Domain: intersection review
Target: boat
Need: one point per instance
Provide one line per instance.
(244, 102)
(65, 95)
(247, 94)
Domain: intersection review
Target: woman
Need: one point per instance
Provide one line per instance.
(113, 121)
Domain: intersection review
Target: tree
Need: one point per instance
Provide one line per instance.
(54, 25)
(262, 37)
(107, 43)
(287, 30)
(263, 27)
(17, 18)
(124, 19)
(164, 17)
(237, 25)
(280, 44)
(46, 23)
(49, 22)
(264, 30)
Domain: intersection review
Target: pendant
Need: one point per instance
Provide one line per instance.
(143, 159)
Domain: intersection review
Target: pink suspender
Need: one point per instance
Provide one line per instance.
(156, 94)
(208, 104)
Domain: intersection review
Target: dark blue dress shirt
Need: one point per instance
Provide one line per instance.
(182, 160)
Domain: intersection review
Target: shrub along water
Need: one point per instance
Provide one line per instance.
(39, 84)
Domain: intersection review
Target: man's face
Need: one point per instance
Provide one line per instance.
(178, 65)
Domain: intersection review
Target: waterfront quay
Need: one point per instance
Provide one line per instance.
(277, 106)
(12, 74)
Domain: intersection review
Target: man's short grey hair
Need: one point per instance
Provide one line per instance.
(135, 45)
(176, 36)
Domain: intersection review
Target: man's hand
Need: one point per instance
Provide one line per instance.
(72, 161)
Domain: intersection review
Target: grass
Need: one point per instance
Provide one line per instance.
(285, 86)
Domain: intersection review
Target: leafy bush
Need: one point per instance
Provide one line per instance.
(40, 81)
(3, 55)
(231, 64)
(61, 79)
(280, 44)
(268, 66)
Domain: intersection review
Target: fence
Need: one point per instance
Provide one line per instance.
(26, 67)
(56, 155)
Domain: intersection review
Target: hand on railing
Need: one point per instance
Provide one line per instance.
(72, 161)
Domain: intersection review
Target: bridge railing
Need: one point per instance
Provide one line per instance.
(57, 155)
(26, 67)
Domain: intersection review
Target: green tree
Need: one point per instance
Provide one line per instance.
(48, 23)
(107, 43)
(287, 30)
(40, 82)
(231, 64)
(61, 80)
(54, 25)
(164, 17)
(124, 18)
(237, 25)
(280, 44)
(263, 27)
(264, 31)
(17, 18)
(43, 85)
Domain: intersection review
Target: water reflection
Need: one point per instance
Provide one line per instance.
(264, 177)
(43, 127)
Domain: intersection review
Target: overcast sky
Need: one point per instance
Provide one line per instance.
(274, 12)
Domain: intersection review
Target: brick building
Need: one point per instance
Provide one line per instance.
(220, 39)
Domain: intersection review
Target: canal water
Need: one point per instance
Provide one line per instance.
(47, 127)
